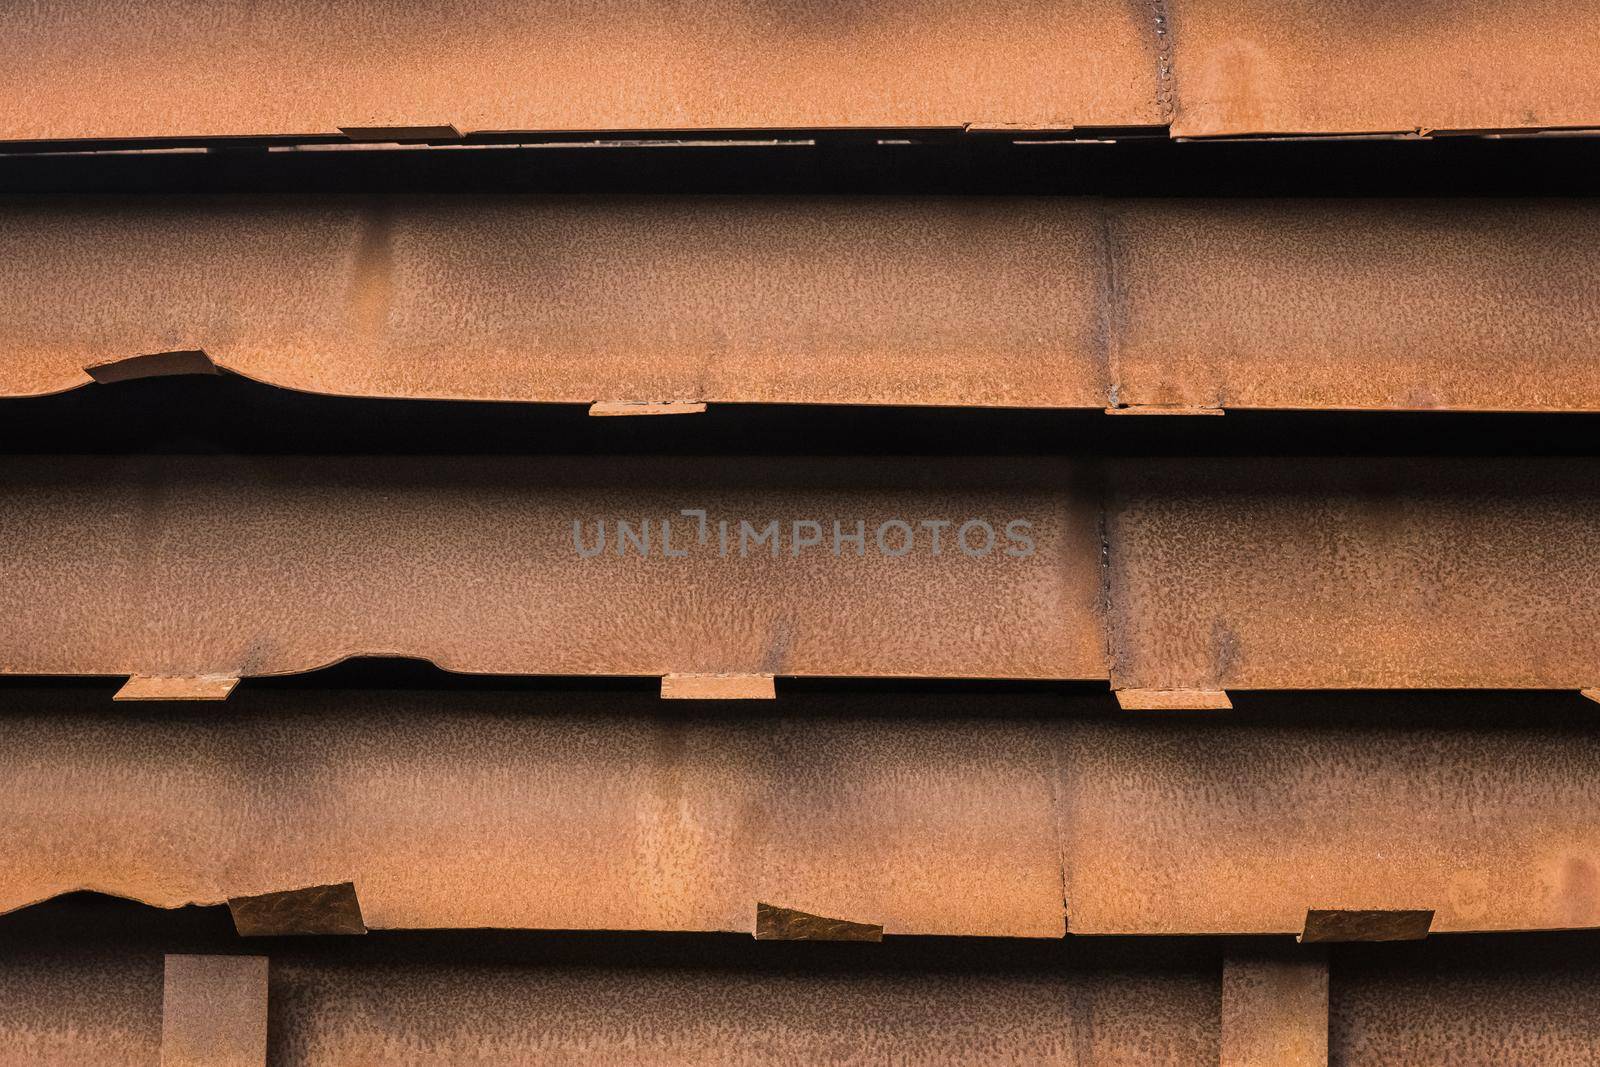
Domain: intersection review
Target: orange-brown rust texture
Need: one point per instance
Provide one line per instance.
(917, 301)
(1370, 304)
(213, 1012)
(1353, 573)
(542, 809)
(495, 997)
(1274, 1008)
(177, 566)
(1137, 306)
(1476, 805)
(1357, 66)
(183, 68)
(929, 812)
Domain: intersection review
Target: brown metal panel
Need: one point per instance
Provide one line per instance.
(1274, 1009)
(1464, 305)
(1353, 573)
(214, 1011)
(1354, 66)
(489, 998)
(187, 68)
(660, 304)
(181, 566)
(1443, 1002)
(1241, 822)
(570, 299)
(529, 809)
(928, 813)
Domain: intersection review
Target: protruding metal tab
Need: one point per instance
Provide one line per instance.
(320, 909)
(1366, 925)
(785, 924)
(718, 687)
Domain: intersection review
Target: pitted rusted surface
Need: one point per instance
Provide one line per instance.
(184, 68)
(213, 1011)
(1448, 1001)
(1245, 821)
(486, 997)
(1463, 304)
(489, 997)
(549, 810)
(1353, 573)
(1274, 1008)
(291, 68)
(1417, 305)
(570, 299)
(1356, 66)
(248, 566)
(929, 813)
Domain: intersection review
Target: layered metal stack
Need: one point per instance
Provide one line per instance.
(370, 701)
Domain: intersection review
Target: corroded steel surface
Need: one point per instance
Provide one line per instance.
(1354, 573)
(244, 566)
(188, 68)
(572, 299)
(294, 68)
(486, 997)
(928, 813)
(1026, 302)
(1420, 305)
(1225, 574)
(483, 998)
(213, 1011)
(1355, 66)
(1241, 822)
(1274, 1008)
(541, 810)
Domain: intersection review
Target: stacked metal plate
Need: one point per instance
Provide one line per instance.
(605, 533)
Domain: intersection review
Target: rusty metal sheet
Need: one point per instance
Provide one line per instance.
(1480, 807)
(927, 813)
(492, 998)
(567, 299)
(1373, 304)
(183, 68)
(543, 809)
(178, 566)
(1467, 1001)
(664, 303)
(213, 1011)
(1353, 573)
(1357, 66)
(1274, 1008)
